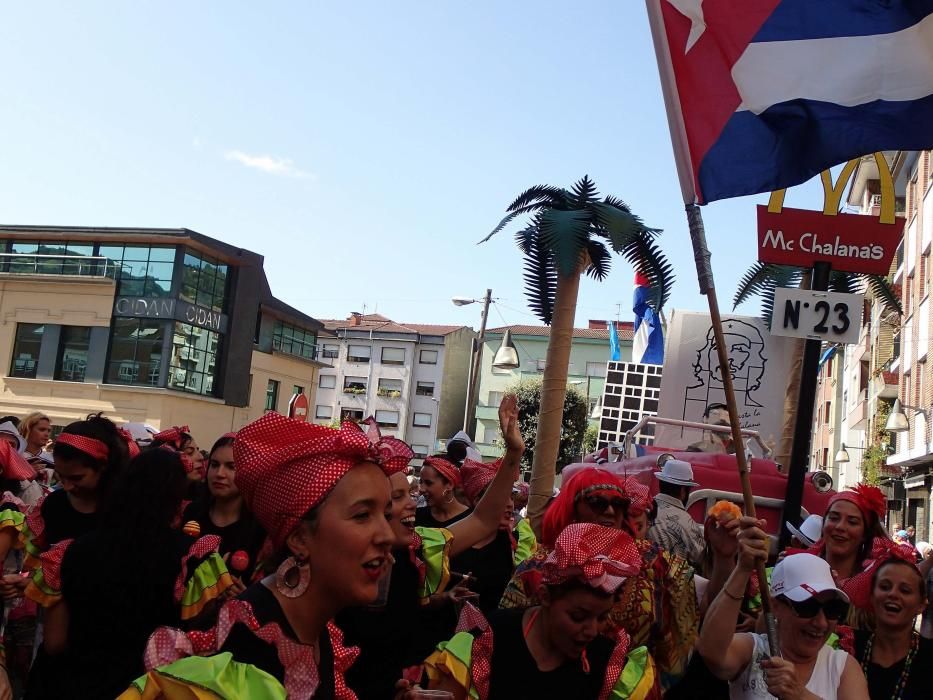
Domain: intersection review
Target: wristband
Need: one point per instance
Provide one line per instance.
(725, 589)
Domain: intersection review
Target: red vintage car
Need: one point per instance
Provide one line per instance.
(716, 474)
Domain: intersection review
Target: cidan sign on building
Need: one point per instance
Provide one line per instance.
(140, 307)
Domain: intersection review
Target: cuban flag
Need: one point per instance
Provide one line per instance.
(765, 94)
(648, 345)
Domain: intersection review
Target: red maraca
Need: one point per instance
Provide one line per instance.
(239, 561)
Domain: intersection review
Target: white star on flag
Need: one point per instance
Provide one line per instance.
(692, 10)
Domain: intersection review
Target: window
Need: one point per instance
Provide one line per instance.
(359, 353)
(73, 344)
(421, 451)
(390, 388)
(354, 385)
(272, 395)
(490, 434)
(26, 350)
(297, 389)
(323, 412)
(421, 420)
(331, 352)
(826, 408)
(327, 381)
(140, 270)
(387, 419)
(393, 356)
(595, 369)
(424, 389)
(136, 351)
(428, 357)
(193, 364)
(351, 414)
(204, 281)
(495, 398)
(294, 341)
(592, 406)
(540, 365)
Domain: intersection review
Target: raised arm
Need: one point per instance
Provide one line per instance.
(725, 652)
(485, 518)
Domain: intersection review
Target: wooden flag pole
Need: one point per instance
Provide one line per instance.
(701, 257)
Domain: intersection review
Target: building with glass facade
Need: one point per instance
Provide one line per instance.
(163, 326)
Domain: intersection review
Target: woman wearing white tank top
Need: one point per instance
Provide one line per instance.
(807, 606)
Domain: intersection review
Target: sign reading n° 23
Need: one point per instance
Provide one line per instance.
(829, 316)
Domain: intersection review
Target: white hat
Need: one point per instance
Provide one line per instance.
(677, 472)
(802, 576)
(810, 530)
(7, 428)
(141, 432)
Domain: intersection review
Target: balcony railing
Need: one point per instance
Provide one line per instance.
(57, 265)
(389, 393)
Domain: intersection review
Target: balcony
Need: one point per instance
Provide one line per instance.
(389, 393)
(884, 385)
(858, 415)
(58, 265)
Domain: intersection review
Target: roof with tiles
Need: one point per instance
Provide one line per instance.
(378, 322)
(625, 330)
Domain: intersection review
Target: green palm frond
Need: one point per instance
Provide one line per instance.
(584, 192)
(763, 277)
(533, 199)
(619, 225)
(846, 282)
(540, 279)
(524, 239)
(565, 234)
(600, 260)
(646, 257)
(885, 293)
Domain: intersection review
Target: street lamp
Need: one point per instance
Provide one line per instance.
(842, 456)
(897, 420)
(506, 357)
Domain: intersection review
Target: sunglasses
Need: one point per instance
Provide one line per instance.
(833, 609)
(599, 504)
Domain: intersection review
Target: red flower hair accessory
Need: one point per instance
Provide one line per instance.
(870, 500)
(92, 447)
(477, 476)
(602, 557)
(285, 467)
(446, 469)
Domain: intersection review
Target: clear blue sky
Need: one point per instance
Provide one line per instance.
(362, 148)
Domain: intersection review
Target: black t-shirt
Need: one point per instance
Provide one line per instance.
(515, 674)
(423, 517)
(244, 535)
(62, 521)
(882, 681)
(491, 566)
(390, 637)
(247, 648)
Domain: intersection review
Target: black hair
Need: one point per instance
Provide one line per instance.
(559, 590)
(147, 495)
(669, 489)
(222, 441)
(714, 407)
(179, 444)
(456, 452)
(11, 419)
(105, 431)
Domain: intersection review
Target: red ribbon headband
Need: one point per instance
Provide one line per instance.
(88, 445)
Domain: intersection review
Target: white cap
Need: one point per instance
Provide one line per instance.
(7, 428)
(802, 576)
(141, 432)
(810, 530)
(677, 472)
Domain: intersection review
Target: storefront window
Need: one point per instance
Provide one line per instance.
(73, 344)
(194, 360)
(204, 281)
(140, 271)
(136, 351)
(26, 350)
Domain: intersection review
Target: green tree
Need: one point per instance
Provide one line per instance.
(879, 447)
(569, 233)
(573, 421)
(590, 439)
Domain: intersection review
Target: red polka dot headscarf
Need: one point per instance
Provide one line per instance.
(285, 467)
(477, 476)
(603, 557)
(446, 469)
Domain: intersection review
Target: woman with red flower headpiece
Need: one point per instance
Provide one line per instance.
(410, 618)
(657, 608)
(438, 482)
(554, 649)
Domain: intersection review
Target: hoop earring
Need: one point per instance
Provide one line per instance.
(448, 497)
(292, 577)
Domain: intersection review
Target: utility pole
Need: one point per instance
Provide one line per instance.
(469, 416)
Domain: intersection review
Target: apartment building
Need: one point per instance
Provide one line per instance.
(589, 357)
(412, 378)
(161, 326)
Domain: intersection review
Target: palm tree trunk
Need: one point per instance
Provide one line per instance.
(792, 392)
(553, 392)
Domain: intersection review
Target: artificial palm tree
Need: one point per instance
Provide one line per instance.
(761, 280)
(571, 232)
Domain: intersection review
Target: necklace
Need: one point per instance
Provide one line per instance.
(905, 672)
